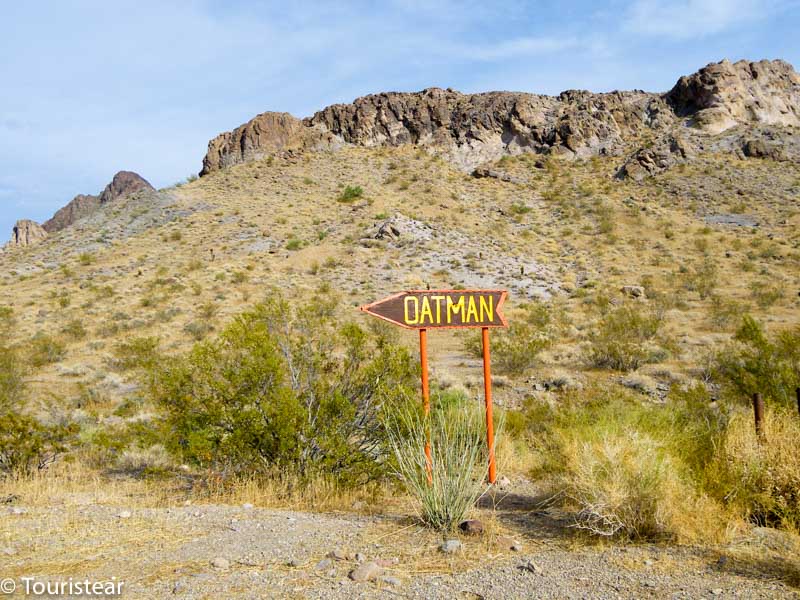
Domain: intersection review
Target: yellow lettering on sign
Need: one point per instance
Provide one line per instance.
(472, 310)
(425, 311)
(438, 300)
(408, 317)
(487, 309)
(454, 308)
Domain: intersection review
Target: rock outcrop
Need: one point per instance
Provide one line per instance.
(471, 129)
(723, 95)
(123, 184)
(268, 132)
(80, 206)
(666, 153)
(27, 232)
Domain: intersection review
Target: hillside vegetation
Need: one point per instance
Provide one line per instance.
(202, 342)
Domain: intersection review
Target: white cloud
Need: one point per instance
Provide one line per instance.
(685, 19)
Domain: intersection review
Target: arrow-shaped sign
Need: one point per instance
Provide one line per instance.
(424, 309)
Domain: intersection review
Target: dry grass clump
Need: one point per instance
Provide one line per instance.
(629, 470)
(459, 455)
(761, 477)
(629, 486)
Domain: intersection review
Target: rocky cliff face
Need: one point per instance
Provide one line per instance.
(123, 184)
(469, 129)
(268, 132)
(27, 232)
(80, 206)
(723, 95)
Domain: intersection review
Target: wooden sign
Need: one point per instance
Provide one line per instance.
(430, 309)
(442, 309)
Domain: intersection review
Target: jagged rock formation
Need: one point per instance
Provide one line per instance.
(80, 206)
(723, 95)
(27, 232)
(471, 129)
(268, 132)
(668, 152)
(123, 184)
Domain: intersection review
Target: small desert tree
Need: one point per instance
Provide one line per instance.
(756, 362)
(283, 388)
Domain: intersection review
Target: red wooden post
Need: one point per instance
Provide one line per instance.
(426, 397)
(487, 395)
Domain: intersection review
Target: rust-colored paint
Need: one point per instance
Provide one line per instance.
(487, 395)
(426, 397)
(442, 309)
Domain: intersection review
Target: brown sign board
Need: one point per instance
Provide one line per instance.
(424, 309)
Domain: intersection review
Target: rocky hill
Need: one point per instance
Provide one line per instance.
(123, 184)
(471, 129)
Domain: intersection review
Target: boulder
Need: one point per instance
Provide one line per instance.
(663, 155)
(633, 291)
(27, 232)
(366, 572)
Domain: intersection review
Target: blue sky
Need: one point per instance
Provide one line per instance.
(92, 87)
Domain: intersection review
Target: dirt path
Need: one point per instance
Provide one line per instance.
(216, 551)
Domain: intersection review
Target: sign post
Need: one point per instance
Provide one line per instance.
(426, 397)
(447, 309)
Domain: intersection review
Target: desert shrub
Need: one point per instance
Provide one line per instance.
(282, 388)
(294, 244)
(755, 362)
(765, 294)
(136, 353)
(630, 470)
(27, 446)
(760, 478)
(44, 350)
(75, 329)
(198, 329)
(350, 193)
(11, 378)
(702, 278)
(458, 458)
(724, 312)
(624, 338)
(516, 349)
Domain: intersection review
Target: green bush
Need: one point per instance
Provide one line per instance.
(350, 193)
(136, 353)
(45, 350)
(516, 349)
(623, 339)
(282, 387)
(11, 379)
(630, 470)
(27, 446)
(755, 362)
(702, 279)
(75, 330)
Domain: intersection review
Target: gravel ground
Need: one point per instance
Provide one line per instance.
(215, 551)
